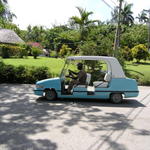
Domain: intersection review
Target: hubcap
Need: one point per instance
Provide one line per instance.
(116, 98)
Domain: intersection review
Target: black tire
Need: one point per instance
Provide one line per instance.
(116, 98)
(50, 94)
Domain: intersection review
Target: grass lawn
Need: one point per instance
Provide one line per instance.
(142, 70)
(54, 65)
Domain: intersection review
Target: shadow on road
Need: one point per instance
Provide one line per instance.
(20, 118)
(130, 103)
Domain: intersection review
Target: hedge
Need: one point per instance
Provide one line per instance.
(22, 74)
(7, 51)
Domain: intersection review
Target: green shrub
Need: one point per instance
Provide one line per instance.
(65, 50)
(7, 51)
(7, 74)
(22, 74)
(37, 73)
(140, 52)
(36, 52)
(127, 53)
(22, 51)
(53, 53)
(4, 51)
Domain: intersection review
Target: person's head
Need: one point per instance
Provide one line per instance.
(80, 66)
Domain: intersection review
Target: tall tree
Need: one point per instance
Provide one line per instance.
(35, 34)
(83, 22)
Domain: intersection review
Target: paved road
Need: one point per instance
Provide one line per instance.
(29, 123)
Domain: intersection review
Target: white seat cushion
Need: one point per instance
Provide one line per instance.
(100, 84)
(88, 78)
(81, 86)
(96, 83)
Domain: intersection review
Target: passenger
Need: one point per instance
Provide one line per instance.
(77, 78)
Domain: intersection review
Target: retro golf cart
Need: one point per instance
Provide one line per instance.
(110, 82)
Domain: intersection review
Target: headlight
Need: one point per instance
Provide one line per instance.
(39, 86)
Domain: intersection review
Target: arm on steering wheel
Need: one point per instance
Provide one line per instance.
(72, 72)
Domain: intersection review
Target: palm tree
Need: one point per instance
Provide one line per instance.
(82, 23)
(126, 15)
(142, 17)
(114, 15)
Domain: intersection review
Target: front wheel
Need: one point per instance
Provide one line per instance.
(50, 94)
(116, 98)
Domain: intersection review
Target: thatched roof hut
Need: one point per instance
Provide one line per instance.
(9, 37)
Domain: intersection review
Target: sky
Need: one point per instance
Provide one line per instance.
(57, 12)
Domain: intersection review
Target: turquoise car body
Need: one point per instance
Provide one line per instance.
(117, 84)
(128, 87)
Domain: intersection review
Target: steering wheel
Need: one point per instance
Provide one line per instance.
(70, 74)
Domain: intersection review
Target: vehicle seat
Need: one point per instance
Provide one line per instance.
(88, 80)
(103, 84)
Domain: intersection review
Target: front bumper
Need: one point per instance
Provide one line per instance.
(38, 92)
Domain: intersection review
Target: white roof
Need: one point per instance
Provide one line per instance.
(114, 67)
(89, 57)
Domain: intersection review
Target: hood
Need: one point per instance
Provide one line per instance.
(47, 80)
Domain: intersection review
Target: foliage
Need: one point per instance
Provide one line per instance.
(5, 13)
(36, 52)
(35, 33)
(127, 53)
(100, 47)
(53, 54)
(140, 52)
(137, 34)
(7, 51)
(22, 74)
(23, 51)
(120, 58)
(65, 51)
(89, 48)
(102, 35)
(4, 51)
(70, 38)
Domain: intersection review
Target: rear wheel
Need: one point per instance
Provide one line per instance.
(116, 98)
(50, 94)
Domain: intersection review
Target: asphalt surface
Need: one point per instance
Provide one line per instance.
(31, 123)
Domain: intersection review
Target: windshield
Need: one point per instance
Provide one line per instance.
(64, 69)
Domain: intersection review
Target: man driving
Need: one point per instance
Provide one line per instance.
(77, 78)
